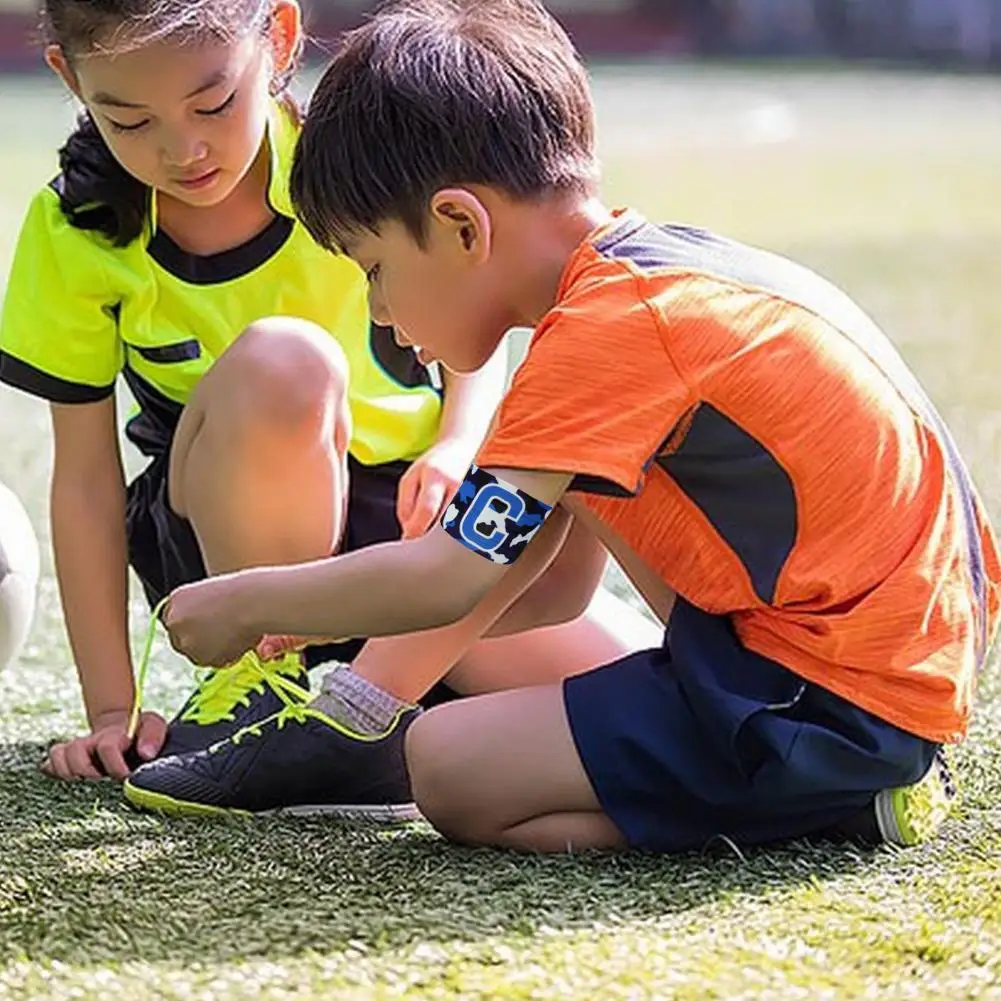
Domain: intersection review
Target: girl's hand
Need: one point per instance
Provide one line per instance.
(428, 485)
(107, 750)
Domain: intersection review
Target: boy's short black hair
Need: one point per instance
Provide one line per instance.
(432, 93)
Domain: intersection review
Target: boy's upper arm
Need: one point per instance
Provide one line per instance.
(494, 516)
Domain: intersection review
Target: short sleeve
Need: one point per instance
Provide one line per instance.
(597, 394)
(58, 333)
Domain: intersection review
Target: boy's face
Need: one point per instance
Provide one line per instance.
(442, 298)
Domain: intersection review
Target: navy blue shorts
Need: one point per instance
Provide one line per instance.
(702, 738)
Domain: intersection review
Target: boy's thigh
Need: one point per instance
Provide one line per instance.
(703, 738)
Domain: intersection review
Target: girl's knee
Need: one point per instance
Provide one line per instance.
(288, 366)
(282, 373)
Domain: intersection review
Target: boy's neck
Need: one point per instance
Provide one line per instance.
(548, 234)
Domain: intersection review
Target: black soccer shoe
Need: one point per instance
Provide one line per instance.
(299, 761)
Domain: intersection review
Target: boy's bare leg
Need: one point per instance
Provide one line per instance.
(518, 781)
(556, 581)
(609, 629)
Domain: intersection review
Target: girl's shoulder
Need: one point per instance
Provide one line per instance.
(58, 259)
(69, 228)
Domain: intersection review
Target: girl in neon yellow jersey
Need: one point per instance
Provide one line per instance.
(279, 424)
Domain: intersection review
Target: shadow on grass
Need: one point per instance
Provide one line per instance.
(83, 880)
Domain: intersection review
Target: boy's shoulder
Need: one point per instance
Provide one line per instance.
(705, 269)
(686, 281)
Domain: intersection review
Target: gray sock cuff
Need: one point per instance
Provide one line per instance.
(353, 700)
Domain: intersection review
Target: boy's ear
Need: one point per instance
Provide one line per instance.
(56, 60)
(286, 33)
(464, 221)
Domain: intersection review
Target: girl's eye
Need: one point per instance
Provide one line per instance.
(118, 127)
(373, 272)
(225, 106)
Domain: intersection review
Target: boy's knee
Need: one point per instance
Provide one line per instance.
(431, 758)
(285, 373)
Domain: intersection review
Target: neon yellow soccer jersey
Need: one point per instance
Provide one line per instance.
(79, 311)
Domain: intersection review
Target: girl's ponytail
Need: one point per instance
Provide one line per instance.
(97, 193)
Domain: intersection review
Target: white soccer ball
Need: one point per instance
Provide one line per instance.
(18, 575)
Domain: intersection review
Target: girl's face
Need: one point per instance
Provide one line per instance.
(187, 120)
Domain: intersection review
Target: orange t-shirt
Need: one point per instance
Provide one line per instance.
(757, 441)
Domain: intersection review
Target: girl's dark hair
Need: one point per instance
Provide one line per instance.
(430, 93)
(96, 192)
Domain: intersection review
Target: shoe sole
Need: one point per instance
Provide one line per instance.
(158, 802)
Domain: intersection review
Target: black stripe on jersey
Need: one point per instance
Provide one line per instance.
(743, 492)
(21, 375)
(585, 483)
(655, 248)
(167, 354)
(214, 269)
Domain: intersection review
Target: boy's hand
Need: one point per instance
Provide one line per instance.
(107, 750)
(204, 621)
(428, 485)
(272, 647)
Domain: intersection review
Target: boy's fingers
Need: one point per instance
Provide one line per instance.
(274, 646)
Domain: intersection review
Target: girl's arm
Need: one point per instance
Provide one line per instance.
(469, 406)
(89, 543)
(471, 401)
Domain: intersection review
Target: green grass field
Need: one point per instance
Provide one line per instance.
(888, 184)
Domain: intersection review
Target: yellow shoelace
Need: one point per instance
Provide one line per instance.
(221, 690)
(295, 697)
(216, 696)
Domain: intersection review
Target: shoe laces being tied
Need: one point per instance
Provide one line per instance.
(221, 690)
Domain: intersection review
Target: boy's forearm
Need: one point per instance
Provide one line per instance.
(408, 666)
(382, 590)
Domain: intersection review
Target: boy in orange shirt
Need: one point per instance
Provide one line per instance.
(732, 428)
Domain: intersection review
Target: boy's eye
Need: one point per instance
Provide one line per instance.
(219, 109)
(119, 127)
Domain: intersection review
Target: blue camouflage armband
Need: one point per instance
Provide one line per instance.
(493, 518)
